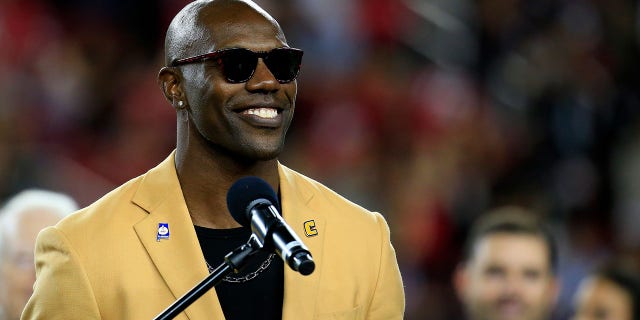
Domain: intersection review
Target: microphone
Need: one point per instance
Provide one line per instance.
(252, 202)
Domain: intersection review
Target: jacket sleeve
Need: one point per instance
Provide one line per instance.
(62, 289)
(388, 300)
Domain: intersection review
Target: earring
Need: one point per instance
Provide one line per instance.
(180, 103)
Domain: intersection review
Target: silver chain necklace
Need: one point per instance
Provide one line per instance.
(250, 276)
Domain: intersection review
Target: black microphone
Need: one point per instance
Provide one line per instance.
(252, 202)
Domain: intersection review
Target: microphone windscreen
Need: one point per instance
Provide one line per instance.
(243, 192)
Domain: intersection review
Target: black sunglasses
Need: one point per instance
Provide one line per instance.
(239, 64)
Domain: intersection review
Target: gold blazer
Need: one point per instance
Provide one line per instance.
(106, 262)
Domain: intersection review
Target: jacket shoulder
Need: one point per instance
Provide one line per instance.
(103, 211)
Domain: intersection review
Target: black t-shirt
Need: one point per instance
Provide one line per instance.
(258, 298)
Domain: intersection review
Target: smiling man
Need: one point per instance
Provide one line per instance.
(611, 292)
(508, 271)
(231, 77)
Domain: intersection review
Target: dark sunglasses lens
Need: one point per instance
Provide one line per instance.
(239, 64)
(284, 64)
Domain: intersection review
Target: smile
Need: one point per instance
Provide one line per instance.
(265, 113)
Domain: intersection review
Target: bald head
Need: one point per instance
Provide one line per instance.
(197, 27)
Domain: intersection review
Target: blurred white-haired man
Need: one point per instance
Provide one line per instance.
(21, 218)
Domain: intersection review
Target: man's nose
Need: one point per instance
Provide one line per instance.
(262, 79)
(512, 285)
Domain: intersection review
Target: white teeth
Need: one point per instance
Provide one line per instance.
(267, 113)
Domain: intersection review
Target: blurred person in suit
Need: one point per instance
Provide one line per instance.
(230, 76)
(508, 268)
(21, 218)
(611, 292)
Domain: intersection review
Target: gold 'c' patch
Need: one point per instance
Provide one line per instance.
(310, 228)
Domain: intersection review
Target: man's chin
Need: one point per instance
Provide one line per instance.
(511, 313)
(265, 155)
(506, 312)
(250, 154)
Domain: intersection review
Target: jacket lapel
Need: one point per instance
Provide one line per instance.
(178, 258)
(300, 293)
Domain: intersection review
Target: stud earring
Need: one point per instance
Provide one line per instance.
(180, 103)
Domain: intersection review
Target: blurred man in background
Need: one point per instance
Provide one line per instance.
(21, 218)
(508, 271)
(610, 293)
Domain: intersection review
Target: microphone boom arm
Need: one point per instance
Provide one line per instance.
(233, 261)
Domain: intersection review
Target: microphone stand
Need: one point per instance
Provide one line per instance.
(234, 261)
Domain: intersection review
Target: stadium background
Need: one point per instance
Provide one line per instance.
(429, 111)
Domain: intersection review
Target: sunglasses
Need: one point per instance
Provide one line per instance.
(239, 64)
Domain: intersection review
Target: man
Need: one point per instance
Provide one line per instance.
(609, 293)
(230, 75)
(21, 218)
(508, 271)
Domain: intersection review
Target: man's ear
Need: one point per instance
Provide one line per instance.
(170, 82)
(460, 280)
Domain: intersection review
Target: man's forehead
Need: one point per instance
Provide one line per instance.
(246, 36)
(522, 249)
(29, 222)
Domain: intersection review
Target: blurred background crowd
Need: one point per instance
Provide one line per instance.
(428, 111)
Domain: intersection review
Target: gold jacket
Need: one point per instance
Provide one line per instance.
(106, 262)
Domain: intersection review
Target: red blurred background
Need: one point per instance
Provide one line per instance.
(428, 111)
